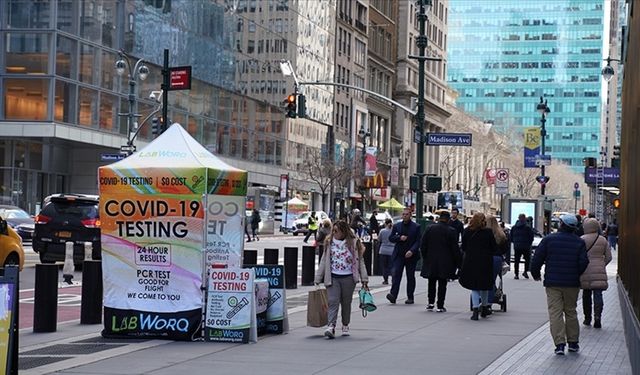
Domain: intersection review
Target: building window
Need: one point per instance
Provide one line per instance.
(27, 53)
(28, 14)
(26, 99)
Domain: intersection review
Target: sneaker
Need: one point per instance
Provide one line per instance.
(330, 332)
(559, 349)
(430, 307)
(526, 275)
(574, 347)
(409, 302)
(442, 309)
(385, 282)
(391, 298)
(516, 277)
(345, 331)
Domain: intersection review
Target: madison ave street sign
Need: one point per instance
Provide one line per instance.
(448, 139)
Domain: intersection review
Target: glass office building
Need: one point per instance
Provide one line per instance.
(504, 55)
(61, 97)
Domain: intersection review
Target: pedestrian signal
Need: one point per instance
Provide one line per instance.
(292, 108)
(616, 203)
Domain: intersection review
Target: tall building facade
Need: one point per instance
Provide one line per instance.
(61, 95)
(504, 55)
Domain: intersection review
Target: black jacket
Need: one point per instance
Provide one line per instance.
(440, 252)
(521, 235)
(457, 225)
(478, 248)
(565, 258)
(412, 231)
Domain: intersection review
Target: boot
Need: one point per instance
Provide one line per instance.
(484, 311)
(587, 320)
(597, 314)
(475, 314)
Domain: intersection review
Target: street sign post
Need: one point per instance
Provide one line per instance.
(543, 160)
(447, 139)
(502, 181)
(112, 157)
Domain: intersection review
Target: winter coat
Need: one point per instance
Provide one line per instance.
(323, 273)
(478, 247)
(386, 246)
(521, 235)
(565, 258)
(412, 231)
(374, 226)
(440, 252)
(255, 220)
(599, 253)
(458, 226)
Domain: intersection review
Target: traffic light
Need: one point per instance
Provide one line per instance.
(302, 106)
(292, 108)
(616, 203)
(155, 126)
(590, 162)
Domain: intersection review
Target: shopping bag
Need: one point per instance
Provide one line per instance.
(366, 302)
(317, 308)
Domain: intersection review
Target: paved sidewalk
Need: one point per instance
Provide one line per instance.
(395, 339)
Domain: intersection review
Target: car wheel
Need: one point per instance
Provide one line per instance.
(45, 261)
(12, 260)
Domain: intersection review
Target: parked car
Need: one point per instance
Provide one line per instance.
(11, 251)
(19, 220)
(64, 218)
(301, 223)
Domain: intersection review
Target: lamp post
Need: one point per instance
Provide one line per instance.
(135, 71)
(544, 110)
(364, 134)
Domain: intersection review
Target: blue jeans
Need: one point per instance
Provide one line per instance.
(613, 241)
(399, 263)
(477, 295)
(497, 269)
(385, 264)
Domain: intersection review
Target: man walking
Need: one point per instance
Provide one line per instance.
(612, 235)
(441, 257)
(565, 258)
(312, 227)
(456, 223)
(406, 236)
(521, 235)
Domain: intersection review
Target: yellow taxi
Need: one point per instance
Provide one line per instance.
(11, 251)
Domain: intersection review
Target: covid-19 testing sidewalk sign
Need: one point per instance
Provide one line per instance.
(166, 212)
(277, 320)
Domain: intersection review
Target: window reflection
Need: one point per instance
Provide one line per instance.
(65, 102)
(66, 20)
(108, 111)
(29, 14)
(26, 99)
(88, 64)
(66, 52)
(27, 53)
(88, 111)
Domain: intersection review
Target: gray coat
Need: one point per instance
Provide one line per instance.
(595, 276)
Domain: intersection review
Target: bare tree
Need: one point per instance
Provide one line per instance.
(322, 170)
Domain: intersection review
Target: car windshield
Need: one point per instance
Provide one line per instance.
(303, 215)
(14, 214)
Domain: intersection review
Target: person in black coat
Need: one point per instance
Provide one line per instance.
(374, 226)
(255, 224)
(406, 237)
(478, 247)
(521, 236)
(441, 258)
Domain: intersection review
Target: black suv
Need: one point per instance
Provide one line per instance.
(64, 218)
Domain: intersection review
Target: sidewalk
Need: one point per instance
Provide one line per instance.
(394, 339)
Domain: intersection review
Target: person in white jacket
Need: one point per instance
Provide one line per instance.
(594, 280)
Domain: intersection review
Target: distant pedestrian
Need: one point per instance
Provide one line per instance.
(594, 280)
(312, 227)
(386, 250)
(522, 238)
(579, 231)
(478, 247)
(323, 233)
(440, 259)
(406, 237)
(357, 222)
(564, 256)
(499, 255)
(340, 268)
(456, 223)
(612, 235)
(246, 228)
(374, 226)
(255, 224)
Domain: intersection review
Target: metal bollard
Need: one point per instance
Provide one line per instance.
(250, 257)
(45, 303)
(367, 256)
(271, 256)
(67, 269)
(376, 259)
(308, 265)
(88, 251)
(91, 304)
(291, 267)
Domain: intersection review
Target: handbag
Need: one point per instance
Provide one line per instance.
(366, 301)
(317, 308)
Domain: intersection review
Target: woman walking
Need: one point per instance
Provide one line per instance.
(594, 279)
(340, 268)
(478, 247)
(386, 250)
(500, 254)
(255, 224)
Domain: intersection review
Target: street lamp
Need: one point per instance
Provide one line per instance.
(364, 134)
(607, 71)
(544, 110)
(135, 71)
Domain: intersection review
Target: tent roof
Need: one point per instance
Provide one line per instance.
(175, 148)
(296, 202)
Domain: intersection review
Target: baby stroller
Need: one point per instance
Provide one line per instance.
(499, 298)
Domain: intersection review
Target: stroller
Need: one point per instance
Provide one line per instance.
(500, 297)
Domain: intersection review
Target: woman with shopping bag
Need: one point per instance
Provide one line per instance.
(340, 268)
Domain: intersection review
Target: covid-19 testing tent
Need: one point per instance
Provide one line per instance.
(167, 213)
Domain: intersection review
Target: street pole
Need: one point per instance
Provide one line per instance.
(136, 71)
(543, 134)
(543, 109)
(165, 90)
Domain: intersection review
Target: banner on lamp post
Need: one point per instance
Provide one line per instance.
(395, 171)
(531, 146)
(370, 165)
(490, 176)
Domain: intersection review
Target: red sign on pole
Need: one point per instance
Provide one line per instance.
(180, 78)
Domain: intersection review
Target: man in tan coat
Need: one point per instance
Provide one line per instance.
(594, 279)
